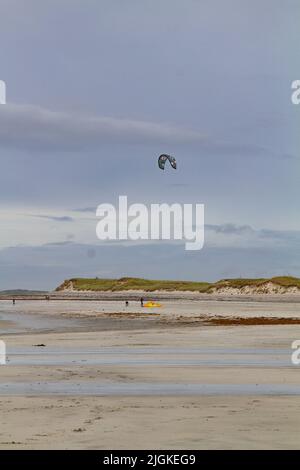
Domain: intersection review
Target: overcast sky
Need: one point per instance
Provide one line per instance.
(97, 89)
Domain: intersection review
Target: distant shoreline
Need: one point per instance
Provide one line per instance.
(135, 296)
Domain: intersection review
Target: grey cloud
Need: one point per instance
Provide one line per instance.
(32, 127)
(245, 149)
(28, 127)
(55, 218)
(283, 236)
(64, 243)
(287, 235)
(231, 229)
(85, 210)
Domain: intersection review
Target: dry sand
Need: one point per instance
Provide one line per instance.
(150, 423)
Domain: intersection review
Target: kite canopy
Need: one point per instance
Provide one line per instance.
(162, 161)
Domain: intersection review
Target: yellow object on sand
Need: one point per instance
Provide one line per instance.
(152, 304)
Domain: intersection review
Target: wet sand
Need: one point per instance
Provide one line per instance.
(119, 379)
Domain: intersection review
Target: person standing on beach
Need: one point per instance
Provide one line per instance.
(142, 302)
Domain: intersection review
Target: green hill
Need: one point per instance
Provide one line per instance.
(132, 283)
(23, 292)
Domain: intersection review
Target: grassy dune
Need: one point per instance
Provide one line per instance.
(131, 283)
(283, 281)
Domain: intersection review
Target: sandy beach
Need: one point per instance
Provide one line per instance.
(98, 375)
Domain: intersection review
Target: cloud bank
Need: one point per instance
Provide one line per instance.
(35, 128)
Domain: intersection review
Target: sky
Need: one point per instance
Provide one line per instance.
(97, 89)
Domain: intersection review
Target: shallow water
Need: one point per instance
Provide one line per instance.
(136, 389)
(24, 322)
(149, 356)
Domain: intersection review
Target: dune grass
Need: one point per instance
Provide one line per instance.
(132, 283)
(283, 281)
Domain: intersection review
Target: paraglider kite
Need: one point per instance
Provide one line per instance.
(162, 161)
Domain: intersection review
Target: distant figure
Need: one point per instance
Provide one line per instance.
(14, 301)
(142, 302)
(47, 297)
(126, 303)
